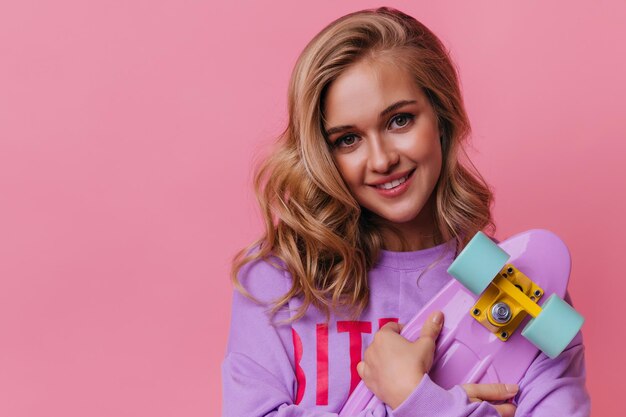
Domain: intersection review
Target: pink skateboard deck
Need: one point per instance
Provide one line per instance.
(468, 352)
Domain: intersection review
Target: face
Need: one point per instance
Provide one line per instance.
(385, 140)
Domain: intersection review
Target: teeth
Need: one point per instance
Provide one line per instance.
(392, 184)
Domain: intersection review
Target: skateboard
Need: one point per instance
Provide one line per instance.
(504, 305)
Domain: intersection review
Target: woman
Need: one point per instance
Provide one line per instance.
(366, 204)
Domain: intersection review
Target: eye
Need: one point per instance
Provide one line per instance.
(346, 141)
(402, 120)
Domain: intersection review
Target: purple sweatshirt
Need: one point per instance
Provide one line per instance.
(308, 368)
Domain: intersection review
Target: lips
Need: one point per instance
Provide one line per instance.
(392, 181)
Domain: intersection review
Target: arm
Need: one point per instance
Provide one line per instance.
(556, 386)
(396, 371)
(550, 387)
(258, 372)
(429, 399)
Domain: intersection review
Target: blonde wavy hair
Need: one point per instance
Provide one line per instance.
(313, 225)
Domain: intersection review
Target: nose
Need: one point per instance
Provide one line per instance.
(383, 155)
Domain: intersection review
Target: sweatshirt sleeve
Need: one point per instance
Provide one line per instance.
(258, 372)
(549, 388)
(556, 386)
(429, 399)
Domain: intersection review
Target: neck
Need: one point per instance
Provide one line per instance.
(419, 233)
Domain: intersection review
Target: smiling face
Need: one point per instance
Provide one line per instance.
(384, 138)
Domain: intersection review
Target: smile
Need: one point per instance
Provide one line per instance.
(393, 184)
(396, 187)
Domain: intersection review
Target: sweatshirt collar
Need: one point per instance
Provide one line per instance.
(416, 259)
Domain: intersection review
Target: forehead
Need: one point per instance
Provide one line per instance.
(366, 88)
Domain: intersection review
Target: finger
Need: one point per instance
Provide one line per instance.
(432, 326)
(360, 369)
(425, 344)
(491, 392)
(393, 326)
(505, 410)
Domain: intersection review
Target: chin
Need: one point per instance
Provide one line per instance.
(399, 218)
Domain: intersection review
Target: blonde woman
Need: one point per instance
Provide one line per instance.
(366, 202)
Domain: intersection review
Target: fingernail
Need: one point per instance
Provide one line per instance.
(437, 317)
(512, 388)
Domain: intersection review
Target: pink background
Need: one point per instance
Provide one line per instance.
(127, 132)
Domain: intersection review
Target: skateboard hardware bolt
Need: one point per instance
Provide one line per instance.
(476, 312)
(504, 335)
(510, 270)
(501, 313)
(537, 293)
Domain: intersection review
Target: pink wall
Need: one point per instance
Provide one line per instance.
(127, 131)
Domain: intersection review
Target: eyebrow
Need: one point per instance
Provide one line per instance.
(388, 110)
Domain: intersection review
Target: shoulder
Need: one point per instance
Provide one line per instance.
(265, 282)
(265, 279)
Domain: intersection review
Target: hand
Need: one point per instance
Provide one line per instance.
(493, 392)
(392, 366)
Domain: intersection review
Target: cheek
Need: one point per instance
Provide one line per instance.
(434, 154)
(435, 164)
(424, 151)
(350, 171)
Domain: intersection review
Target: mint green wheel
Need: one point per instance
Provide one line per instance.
(555, 327)
(478, 263)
